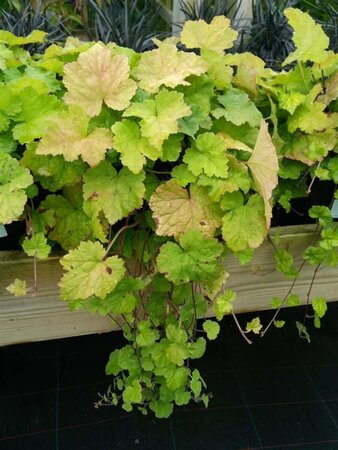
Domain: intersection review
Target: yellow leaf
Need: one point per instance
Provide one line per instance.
(250, 70)
(263, 164)
(99, 77)
(216, 36)
(331, 90)
(18, 288)
(36, 36)
(167, 66)
(234, 144)
(310, 40)
(68, 135)
(175, 210)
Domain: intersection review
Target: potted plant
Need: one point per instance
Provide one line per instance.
(149, 170)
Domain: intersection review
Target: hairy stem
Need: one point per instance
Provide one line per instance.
(240, 328)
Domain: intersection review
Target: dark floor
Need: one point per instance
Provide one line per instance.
(279, 393)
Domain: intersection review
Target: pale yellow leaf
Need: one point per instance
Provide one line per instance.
(175, 210)
(99, 77)
(68, 136)
(331, 90)
(216, 36)
(18, 288)
(263, 164)
(167, 66)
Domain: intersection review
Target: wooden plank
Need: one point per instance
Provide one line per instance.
(44, 316)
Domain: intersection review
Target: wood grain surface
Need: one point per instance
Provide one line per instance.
(44, 316)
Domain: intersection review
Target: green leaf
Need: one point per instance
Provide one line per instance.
(332, 166)
(53, 172)
(197, 120)
(133, 393)
(18, 288)
(145, 336)
(245, 256)
(176, 377)
(36, 246)
(293, 300)
(177, 353)
(172, 147)
(159, 116)
(7, 143)
(133, 147)
(35, 114)
(285, 262)
(182, 175)
(195, 383)
(218, 71)
(197, 348)
(122, 300)
(89, 273)
(223, 303)
(245, 226)
(319, 306)
(309, 119)
(112, 366)
(254, 325)
(194, 259)
(303, 333)
(314, 255)
(176, 334)
(207, 155)
(116, 194)
(127, 359)
(238, 108)
(182, 397)
(279, 323)
(322, 213)
(177, 210)
(309, 38)
(316, 321)
(205, 399)
(310, 148)
(276, 302)
(13, 180)
(211, 328)
(161, 409)
(66, 222)
(99, 77)
(231, 200)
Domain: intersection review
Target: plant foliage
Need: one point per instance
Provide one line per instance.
(149, 169)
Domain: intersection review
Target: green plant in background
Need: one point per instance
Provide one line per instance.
(207, 9)
(23, 17)
(149, 169)
(129, 23)
(269, 36)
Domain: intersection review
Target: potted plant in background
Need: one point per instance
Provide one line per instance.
(150, 169)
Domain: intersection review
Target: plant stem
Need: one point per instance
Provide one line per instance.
(309, 292)
(116, 236)
(194, 303)
(35, 275)
(240, 328)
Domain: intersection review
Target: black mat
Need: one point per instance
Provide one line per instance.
(279, 393)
